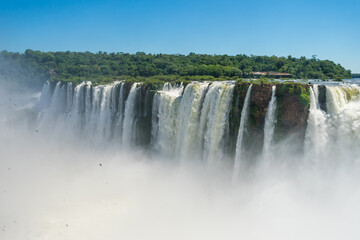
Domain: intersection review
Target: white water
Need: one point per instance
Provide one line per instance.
(192, 125)
(119, 118)
(59, 191)
(76, 113)
(343, 104)
(242, 129)
(269, 126)
(189, 124)
(128, 136)
(45, 97)
(316, 132)
(166, 113)
(213, 120)
(187, 142)
(334, 134)
(91, 113)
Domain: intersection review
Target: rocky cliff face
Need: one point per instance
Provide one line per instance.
(293, 110)
(143, 117)
(260, 98)
(322, 97)
(235, 116)
(292, 114)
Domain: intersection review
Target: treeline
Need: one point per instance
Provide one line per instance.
(36, 66)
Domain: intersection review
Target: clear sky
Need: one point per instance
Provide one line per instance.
(329, 29)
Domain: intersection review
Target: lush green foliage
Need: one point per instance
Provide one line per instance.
(305, 96)
(104, 67)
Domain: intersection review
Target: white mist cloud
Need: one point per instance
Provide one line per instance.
(51, 189)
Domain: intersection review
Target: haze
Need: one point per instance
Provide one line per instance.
(58, 188)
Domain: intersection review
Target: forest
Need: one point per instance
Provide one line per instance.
(36, 67)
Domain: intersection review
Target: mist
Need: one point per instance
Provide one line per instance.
(55, 188)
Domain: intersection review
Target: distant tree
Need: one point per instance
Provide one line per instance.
(36, 66)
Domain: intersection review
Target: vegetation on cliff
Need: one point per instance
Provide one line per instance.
(37, 67)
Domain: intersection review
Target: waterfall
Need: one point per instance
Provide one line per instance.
(55, 109)
(187, 144)
(340, 96)
(57, 101)
(155, 121)
(107, 109)
(119, 116)
(45, 97)
(334, 133)
(316, 132)
(75, 170)
(78, 108)
(85, 111)
(92, 111)
(190, 123)
(128, 137)
(269, 126)
(242, 129)
(100, 111)
(69, 97)
(88, 112)
(214, 117)
(165, 118)
(343, 104)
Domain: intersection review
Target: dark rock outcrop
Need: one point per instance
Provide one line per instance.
(322, 97)
(292, 112)
(260, 98)
(234, 117)
(143, 117)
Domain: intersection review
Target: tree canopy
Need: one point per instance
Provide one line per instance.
(37, 67)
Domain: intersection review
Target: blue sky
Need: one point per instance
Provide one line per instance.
(329, 29)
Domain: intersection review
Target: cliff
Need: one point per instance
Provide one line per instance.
(291, 113)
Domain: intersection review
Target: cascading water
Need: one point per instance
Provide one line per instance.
(90, 112)
(242, 129)
(187, 144)
(45, 97)
(69, 97)
(88, 115)
(343, 106)
(333, 134)
(269, 127)
(165, 118)
(190, 123)
(316, 132)
(100, 112)
(55, 110)
(128, 137)
(119, 116)
(214, 117)
(58, 190)
(76, 115)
